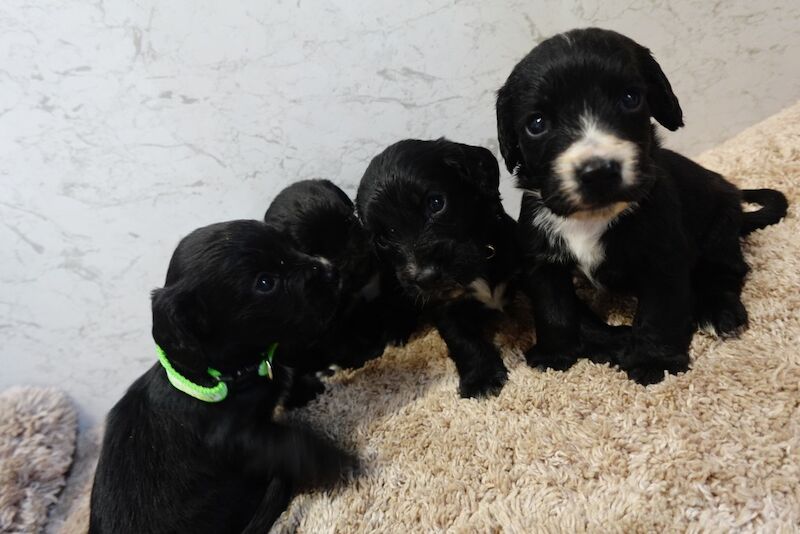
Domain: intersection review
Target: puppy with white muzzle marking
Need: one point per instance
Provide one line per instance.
(603, 197)
(192, 445)
(433, 211)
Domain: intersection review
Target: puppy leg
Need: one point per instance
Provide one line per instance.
(366, 333)
(566, 328)
(556, 316)
(299, 456)
(718, 279)
(480, 369)
(399, 319)
(601, 342)
(275, 501)
(662, 330)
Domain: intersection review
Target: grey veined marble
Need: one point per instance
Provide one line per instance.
(125, 124)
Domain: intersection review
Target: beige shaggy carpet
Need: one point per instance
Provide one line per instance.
(716, 449)
(37, 440)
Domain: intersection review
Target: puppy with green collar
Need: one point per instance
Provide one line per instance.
(192, 446)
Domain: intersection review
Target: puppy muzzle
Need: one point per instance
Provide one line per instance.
(324, 272)
(425, 279)
(596, 170)
(323, 286)
(428, 284)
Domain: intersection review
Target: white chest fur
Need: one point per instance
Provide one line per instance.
(491, 297)
(578, 237)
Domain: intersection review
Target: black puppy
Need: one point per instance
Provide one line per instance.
(192, 446)
(602, 196)
(321, 221)
(433, 211)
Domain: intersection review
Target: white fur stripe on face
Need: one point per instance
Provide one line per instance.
(594, 142)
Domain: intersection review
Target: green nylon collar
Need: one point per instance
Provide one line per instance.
(217, 392)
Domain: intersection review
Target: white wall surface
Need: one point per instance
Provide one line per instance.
(126, 124)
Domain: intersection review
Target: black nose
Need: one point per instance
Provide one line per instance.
(426, 278)
(327, 272)
(599, 171)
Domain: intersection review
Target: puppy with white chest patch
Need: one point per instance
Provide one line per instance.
(433, 212)
(603, 197)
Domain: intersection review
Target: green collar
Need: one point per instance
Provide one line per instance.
(219, 391)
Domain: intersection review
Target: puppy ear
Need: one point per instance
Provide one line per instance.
(477, 165)
(506, 133)
(177, 322)
(663, 103)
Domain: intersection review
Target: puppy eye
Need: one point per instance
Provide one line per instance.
(537, 125)
(381, 242)
(266, 283)
(631, 99)
(436, 203)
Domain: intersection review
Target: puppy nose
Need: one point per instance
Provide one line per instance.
(426, 278)
(598, 171)
(327, 271)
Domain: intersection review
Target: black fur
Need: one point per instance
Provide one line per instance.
(321, 220)
(172, 463)
(433, 255)
(676, 244)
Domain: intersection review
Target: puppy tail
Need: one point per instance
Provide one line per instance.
(275, 501)
(773, 208)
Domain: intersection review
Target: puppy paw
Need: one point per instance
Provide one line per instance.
(645, 375)
(400, 334)
(360, 353)
(543, 360)
(610, 348)
(599, 340)
(725, 319)
(336, 466)
(487, 382)
(648, 369)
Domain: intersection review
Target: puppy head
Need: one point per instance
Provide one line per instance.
(234, 288)
(428, 207)
(573, 120)
(321, 221)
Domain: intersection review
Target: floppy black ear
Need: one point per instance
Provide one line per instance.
(478, 165)
(177, 323)
(506, 133)
(663, 103)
